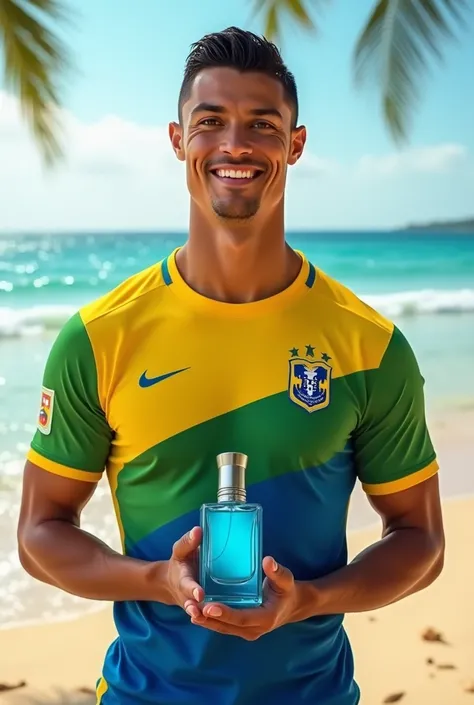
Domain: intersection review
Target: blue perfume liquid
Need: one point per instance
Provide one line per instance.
(231, 553)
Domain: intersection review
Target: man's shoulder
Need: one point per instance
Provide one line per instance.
(345, 306)
(126, 299)
(360, 334)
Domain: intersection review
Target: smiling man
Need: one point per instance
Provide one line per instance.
(234, 342)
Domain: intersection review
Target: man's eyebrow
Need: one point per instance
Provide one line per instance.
(267, 111)
(212, 108)
(207, 108)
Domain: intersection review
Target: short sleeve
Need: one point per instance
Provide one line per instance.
(392, 445)
(73, 437)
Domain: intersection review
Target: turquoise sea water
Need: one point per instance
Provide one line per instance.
(424, 282)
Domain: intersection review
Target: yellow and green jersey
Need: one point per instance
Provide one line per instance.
(152, 381)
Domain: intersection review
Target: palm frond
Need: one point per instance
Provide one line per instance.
(273, 10)
(35, 60)
(394, 48)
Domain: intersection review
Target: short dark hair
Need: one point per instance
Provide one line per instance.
(241, 50)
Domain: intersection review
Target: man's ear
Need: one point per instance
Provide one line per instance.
(298, 141)
(175, 132)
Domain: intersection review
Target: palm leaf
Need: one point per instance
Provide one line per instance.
(35, 59)
(274, 9)
(395, 47)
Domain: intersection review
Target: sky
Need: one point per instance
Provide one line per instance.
(120, 173)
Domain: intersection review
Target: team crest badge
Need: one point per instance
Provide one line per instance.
(45, 416)
(309, 380)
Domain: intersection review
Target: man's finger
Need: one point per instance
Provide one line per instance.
(192, 608)
(187, 544)
(280, 579)
(190, 589)
(238, 618)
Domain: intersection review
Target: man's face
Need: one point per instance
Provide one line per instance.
(237, 140)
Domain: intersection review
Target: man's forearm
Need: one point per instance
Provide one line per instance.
(398, 565)
(61, 554)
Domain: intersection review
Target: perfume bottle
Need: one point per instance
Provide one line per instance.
(231, 549)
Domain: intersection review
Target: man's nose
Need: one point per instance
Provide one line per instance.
(235, 142)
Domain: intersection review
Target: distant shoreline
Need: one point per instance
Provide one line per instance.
(448, 227)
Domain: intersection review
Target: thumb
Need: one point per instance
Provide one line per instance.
(280, 579)
(184, 547)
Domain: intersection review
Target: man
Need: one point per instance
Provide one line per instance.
(235, 342)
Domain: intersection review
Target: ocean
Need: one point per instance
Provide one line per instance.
(423, 281)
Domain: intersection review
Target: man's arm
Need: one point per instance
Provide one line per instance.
(54, 549)
(68, 454)
(408, 558)
(67, 457)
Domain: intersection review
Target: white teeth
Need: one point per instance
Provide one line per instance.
(234, 174)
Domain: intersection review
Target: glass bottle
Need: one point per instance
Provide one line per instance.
(231, 548)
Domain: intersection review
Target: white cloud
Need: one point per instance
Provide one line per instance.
(431, 159)
(311, 165)
(116, 174)
(121, 175)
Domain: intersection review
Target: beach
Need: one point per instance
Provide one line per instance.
(60, 662)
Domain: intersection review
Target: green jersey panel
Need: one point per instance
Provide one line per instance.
(392, 441)
(78, 436)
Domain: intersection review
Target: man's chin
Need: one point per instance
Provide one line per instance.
(235, 212)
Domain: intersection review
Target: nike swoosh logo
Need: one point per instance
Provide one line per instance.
(145, 381)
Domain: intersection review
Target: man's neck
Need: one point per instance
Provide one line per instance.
(237, 264)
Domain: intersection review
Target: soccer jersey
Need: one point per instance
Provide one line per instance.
(152, 381)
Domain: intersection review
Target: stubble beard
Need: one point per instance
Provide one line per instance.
(241, 209)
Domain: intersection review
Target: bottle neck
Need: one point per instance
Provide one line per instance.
(232, 494)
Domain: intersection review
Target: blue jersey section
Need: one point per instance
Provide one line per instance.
(161, 658)
(309, 663)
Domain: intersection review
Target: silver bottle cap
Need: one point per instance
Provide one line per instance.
(231, 484)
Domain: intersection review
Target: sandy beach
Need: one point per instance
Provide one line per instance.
(420, 650)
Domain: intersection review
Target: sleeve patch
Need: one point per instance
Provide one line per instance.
(45, 415)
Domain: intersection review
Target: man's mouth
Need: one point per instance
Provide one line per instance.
(235, 176)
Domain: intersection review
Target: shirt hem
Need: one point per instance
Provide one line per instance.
(403, 483)
(59, 469)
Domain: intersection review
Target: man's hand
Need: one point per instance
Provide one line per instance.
(182, 569)
(279, 607)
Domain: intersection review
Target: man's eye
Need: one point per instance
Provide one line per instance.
(261, 124)
(209, 121)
